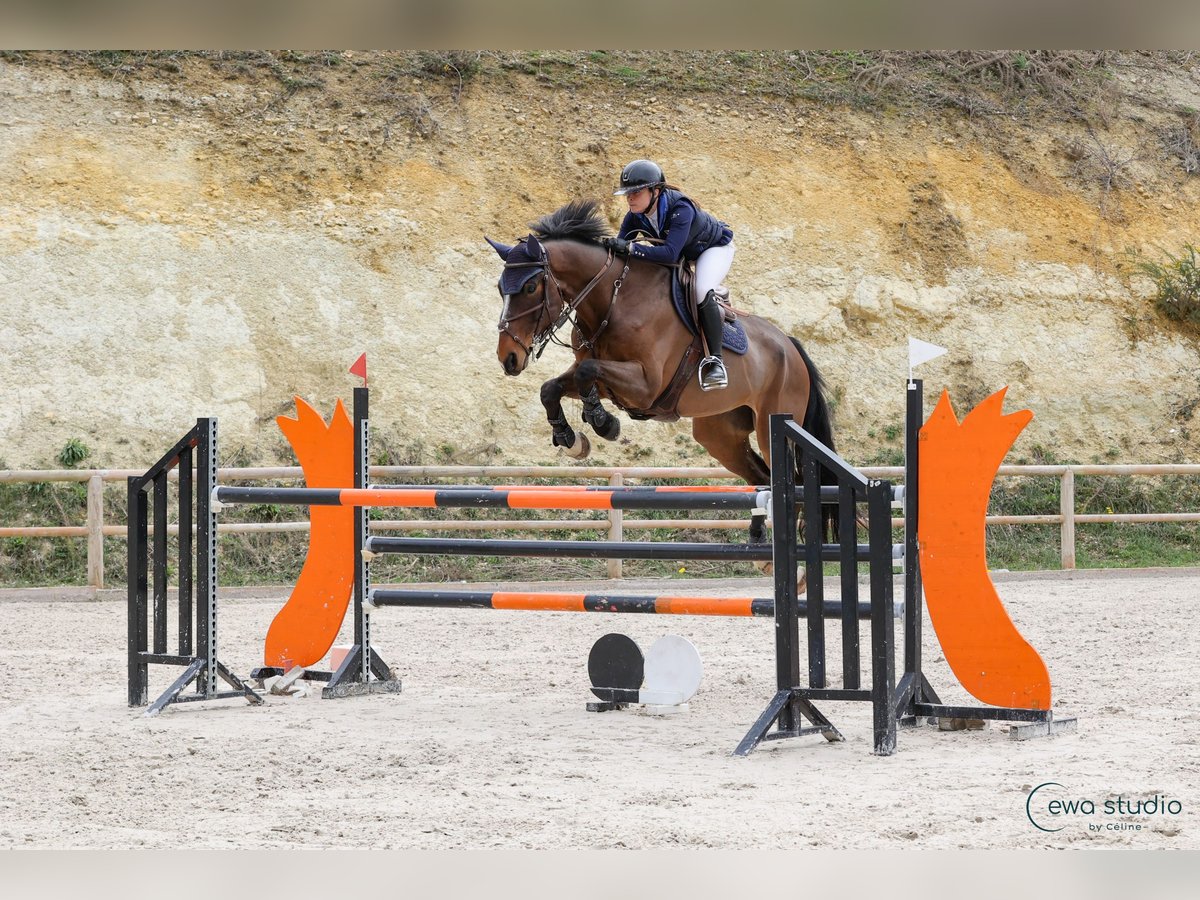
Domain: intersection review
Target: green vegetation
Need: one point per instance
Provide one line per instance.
(1098, 545)
(73, 453)
(266, 558)
(1176, 285)
(26, 561)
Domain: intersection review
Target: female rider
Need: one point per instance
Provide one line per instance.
(687, 232)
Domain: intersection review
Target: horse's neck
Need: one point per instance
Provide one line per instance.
(580, 264)
(581, 267)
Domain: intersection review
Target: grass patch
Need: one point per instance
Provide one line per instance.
(1097, 545)
(1176, 285)
(33, 561)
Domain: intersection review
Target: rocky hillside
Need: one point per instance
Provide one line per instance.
(187, 235)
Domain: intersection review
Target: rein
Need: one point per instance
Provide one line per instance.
(569, 308)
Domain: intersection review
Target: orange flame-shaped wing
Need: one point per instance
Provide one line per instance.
(304, 630)
(958, 463)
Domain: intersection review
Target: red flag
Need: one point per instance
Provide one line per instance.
(360, 368)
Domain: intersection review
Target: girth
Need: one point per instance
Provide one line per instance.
(666, 407)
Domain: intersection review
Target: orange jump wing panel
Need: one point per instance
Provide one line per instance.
(305, 628)
(958, 464)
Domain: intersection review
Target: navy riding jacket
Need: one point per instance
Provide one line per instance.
(687, 231)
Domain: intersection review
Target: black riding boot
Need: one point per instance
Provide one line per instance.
(712, 369)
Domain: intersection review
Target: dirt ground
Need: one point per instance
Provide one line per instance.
(489, 745)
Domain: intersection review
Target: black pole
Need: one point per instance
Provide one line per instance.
(584, 549)
(848, 558)
(883, 660)
(136, 585)
(362, 572)
(914, 416)
(159, 564)
(815, 573)
(206, 553)
(185, 553)
(783, 513)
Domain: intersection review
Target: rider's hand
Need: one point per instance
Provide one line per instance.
(617, 245)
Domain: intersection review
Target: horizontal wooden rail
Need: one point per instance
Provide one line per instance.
(95, 530)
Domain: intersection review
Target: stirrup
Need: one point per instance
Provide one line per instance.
(713, 376)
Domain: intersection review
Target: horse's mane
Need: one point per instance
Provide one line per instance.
(578, 220)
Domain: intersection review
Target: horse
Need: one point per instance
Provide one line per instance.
(629, 343)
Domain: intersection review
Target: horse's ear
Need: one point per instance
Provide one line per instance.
(502, 249)
(534, 247)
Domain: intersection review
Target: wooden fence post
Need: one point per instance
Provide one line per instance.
(1066, 506)
(95, 536)
(616, 528)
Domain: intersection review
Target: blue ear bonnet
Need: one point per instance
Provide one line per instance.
(514, 278)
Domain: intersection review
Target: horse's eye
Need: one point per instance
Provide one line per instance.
(531, 287)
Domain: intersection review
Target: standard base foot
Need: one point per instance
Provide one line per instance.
(359, 688)
(605, 706)
(948, 723)
(1026, 730)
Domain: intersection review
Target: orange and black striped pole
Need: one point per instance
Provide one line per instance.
(380, 598)
(511, 498)
(622, 489)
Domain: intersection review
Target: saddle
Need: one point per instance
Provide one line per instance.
(683, 283)
(683, 297)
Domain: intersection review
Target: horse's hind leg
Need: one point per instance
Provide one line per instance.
(575, 444)
(727, 439)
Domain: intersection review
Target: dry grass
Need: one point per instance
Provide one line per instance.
(979, 83)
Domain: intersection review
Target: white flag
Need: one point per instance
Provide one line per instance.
(922, 352)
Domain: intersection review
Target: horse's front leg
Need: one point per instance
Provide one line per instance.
(575, 444)
(625, 379)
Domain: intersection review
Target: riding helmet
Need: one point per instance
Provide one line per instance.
(641, 173)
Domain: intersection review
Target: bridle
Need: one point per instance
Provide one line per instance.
(568, 309)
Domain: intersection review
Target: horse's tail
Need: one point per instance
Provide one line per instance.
(818, 422)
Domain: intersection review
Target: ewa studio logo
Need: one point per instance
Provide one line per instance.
(1052, 807)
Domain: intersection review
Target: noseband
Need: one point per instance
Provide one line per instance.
(567, 308)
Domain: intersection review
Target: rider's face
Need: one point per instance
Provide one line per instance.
(639, 201)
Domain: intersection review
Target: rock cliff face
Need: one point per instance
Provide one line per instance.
(207, 247)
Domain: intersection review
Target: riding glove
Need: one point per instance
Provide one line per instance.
(617, 245)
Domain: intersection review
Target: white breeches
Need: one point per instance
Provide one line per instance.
(711, 268)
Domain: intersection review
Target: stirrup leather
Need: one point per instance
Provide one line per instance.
(713, 376)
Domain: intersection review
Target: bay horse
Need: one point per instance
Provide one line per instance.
(629, 342)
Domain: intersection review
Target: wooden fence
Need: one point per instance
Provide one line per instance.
(95, 529)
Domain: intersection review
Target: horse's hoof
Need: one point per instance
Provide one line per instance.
(802, 584)
(758, 527)
(611, 430)
(767, 568)
(581, 448)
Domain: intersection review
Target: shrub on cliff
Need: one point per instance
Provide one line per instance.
(1177, 285)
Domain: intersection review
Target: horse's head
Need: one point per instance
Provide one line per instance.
(530, 312)
(535, 294)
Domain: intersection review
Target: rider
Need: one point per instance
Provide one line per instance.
(687, 232)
